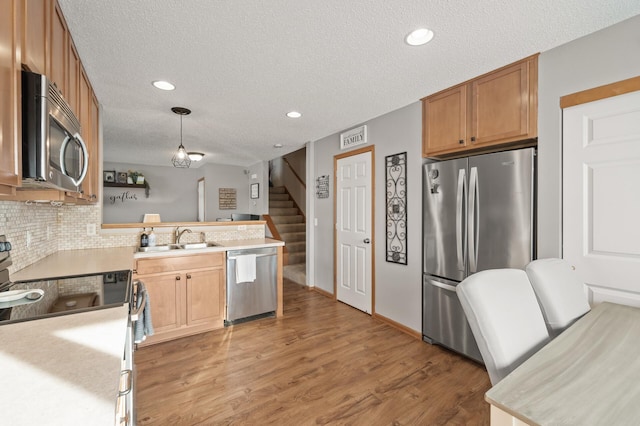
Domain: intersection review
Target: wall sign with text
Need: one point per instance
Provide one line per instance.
(353, 137)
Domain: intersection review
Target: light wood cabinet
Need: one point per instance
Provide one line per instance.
(492, 111)
(187, 293)
(10, 104)
(73, 77)
(58, 49)
(35, 24)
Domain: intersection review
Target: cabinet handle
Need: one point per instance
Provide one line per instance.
(473, 138)
(188, 276)
(177, 277)
(461, 141)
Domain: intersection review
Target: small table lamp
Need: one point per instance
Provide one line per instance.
(151, 218)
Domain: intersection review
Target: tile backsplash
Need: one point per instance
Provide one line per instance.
(37, 230)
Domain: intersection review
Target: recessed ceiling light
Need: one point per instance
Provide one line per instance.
(163, 85)
(294, 114)
(277, 145)
(195, 156)
(419, 37)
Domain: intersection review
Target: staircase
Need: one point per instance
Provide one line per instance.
(290, 224)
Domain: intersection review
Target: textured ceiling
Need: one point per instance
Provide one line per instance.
(240, 65)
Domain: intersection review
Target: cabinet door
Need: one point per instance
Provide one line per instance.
(205, 296)
(10, 132)
(504, 104)
(58, 40)
(89, 184)
(166, 299)
(73, 78)
(444, 121)
(94, 159)
(34, 34)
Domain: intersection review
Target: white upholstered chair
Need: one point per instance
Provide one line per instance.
(560, 293)
(505, 318)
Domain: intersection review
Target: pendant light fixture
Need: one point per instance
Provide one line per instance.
(180, 158)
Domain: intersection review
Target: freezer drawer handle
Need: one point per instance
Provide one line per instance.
(443, 286)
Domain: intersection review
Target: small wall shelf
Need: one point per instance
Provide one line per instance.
(128, 185)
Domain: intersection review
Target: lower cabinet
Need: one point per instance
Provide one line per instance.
(187, 294)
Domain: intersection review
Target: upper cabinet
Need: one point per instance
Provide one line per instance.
(35, 23)
(58, 42)
(10, 131)
(34, 36)
(493, 111)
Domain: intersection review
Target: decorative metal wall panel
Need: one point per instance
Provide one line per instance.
(396, 197)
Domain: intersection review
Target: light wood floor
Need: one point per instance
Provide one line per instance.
(323, 363)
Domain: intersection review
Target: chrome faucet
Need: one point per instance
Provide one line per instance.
(178, 233)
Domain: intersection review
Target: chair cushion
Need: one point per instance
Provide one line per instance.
(505, 318)
(560, 292)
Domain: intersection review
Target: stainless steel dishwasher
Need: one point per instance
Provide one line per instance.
(249, 300)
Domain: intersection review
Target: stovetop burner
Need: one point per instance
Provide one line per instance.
(24, 301)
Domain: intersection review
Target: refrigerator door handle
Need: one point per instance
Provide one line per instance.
(460, 234)
(473, 216)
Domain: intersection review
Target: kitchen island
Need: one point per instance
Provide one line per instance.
(588, 375)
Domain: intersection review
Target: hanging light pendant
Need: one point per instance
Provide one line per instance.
(180, 158)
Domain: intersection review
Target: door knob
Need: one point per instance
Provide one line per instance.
(367, 241)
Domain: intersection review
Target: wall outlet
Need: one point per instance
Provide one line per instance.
(315, 221)
(91, 229)
(254, 176)
(242, 227)
(28, 239)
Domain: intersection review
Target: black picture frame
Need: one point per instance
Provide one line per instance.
(122, 177)
(255, 191)
(109, 176)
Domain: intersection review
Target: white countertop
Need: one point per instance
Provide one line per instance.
(589, 375)
(66, 263)
(63, 370)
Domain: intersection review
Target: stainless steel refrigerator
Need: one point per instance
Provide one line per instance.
(478, 213)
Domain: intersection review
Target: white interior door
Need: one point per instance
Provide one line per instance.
(601, 196)
(354, 175)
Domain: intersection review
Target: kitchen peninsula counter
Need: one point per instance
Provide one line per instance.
(65, 263)
(63, 370)
(588, 375)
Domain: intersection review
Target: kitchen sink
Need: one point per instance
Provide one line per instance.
(167, 247)
(198, 245)
(163, 247)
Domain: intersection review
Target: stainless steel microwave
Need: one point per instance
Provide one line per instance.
(53, 152)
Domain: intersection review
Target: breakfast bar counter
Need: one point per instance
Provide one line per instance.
(589, 375)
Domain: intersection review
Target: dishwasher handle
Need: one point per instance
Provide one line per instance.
(257, 256)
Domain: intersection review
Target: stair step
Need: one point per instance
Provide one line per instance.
(289, 211)
(280, 204)
(288, 219)
(291, 227)
(279, 197)
(277, 190)
(297, 258)
(296, 247)
(293, 236)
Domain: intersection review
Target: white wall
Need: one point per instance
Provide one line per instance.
(603, 57)
(398, 287)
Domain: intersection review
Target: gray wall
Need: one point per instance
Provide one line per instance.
(600, 58)
(398, 287)
(174, 192)
(173, 195)
(603, 57)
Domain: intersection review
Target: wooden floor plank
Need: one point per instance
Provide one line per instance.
(322, 363)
